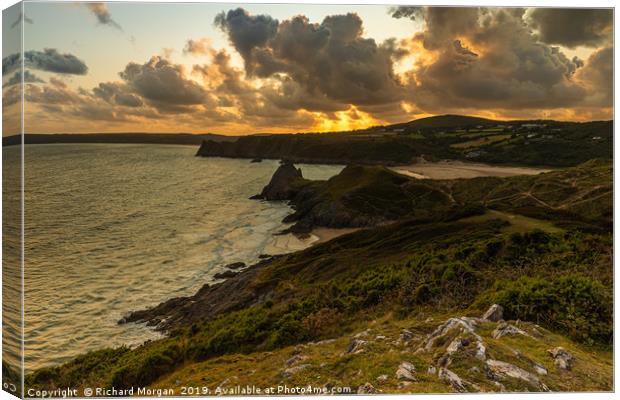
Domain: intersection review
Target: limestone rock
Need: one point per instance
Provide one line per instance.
(294, 360)
(287, 373)
(502, 368)
(453, 379)
(366, 388)
(405, 336)
(494, 313)
(464, 324)
(406, 372)
(356, 346)
(382, 378)
(563, 359)
(504, 329)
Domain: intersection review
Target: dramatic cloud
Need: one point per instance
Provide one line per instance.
(198, 47)
(117, 93)
(317, 67)
(410, 12)
(572, 27)
(49, 60)
(298, 75)
(100, 10)
(29, 77)
(247, 32)
(163, 84)
(598, 75)
(489, 59)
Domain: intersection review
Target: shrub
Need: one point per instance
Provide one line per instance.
(575, 305)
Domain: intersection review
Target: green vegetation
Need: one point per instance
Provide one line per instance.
(538, 245)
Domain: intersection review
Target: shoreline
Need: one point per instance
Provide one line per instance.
(455, 169)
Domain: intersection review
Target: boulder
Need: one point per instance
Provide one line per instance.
(281, 185)
(405, 336)
(382, 378)
(495, 313)
(463, 324)
(366, 388)
(236, 265)
(294, 360)
(356, 346)
(453, 379)
(563, 359)
(287, 373)
(504, 329)
(225, 275)
(501, 368)
(406, 372)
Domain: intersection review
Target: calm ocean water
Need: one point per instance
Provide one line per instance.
(114, 228)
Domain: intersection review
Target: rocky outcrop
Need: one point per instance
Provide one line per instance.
(504, 329)
(495, 313)
(237, 292)
(562, 358)
(366, 388)
(503, 369)
(282, 184)
(236, 265)
(225, 275)
(406, 372)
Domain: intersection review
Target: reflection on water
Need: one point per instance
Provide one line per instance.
(11, 265)
(113, 228)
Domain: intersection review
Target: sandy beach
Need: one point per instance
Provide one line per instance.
(449, 169)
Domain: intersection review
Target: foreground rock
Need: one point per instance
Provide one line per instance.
(406, 372)
(236, 265)
(225, 275)
(563, 359)
(495, 313)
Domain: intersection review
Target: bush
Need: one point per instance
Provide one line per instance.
(575, 305)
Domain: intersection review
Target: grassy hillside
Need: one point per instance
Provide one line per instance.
(523, 243)
(369, 195)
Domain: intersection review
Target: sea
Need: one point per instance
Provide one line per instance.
(111, 228)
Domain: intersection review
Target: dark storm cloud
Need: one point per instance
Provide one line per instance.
(319, 67)
(491, 59)
(246, 31)
(163, 84)
(52, 61)
(29, 77)
(572, 27)
(100, 10)
(49, 60)
(410, 12)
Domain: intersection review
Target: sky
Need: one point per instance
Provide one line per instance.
(249, 68)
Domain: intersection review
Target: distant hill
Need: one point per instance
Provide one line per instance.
(456, 137)
(147, 138)
(446, 121)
